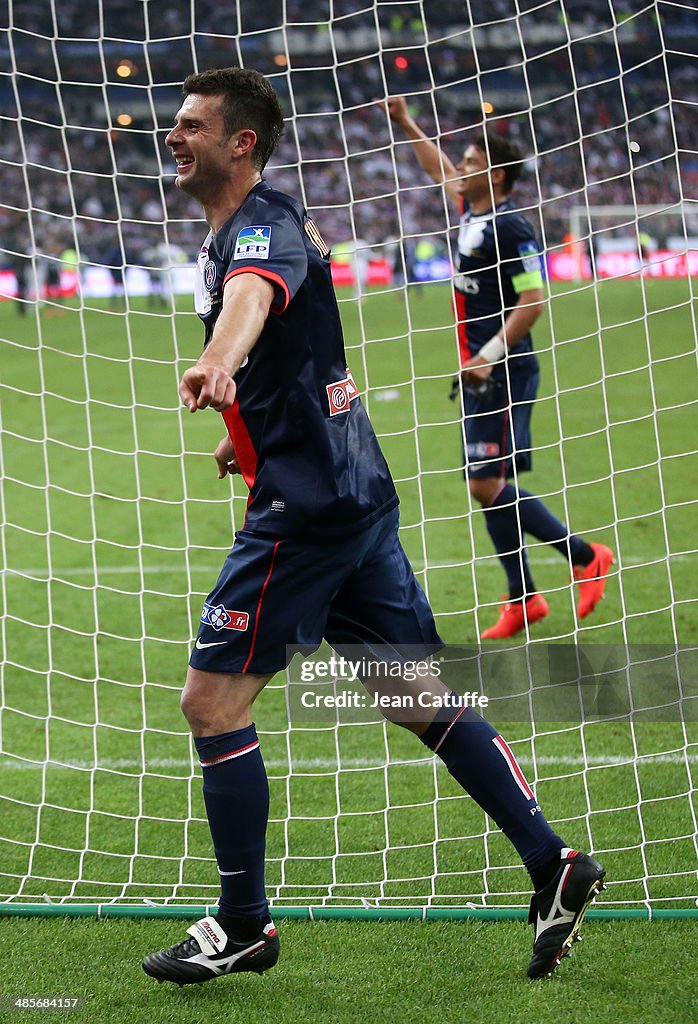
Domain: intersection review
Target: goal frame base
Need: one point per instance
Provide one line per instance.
(99, 911)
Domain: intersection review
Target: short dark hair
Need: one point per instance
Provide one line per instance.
(249, 101)
(502, 154)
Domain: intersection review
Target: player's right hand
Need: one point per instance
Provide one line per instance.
(226, 459)
(204, 385)
(396, 108)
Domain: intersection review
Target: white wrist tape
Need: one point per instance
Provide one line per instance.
(493, 350)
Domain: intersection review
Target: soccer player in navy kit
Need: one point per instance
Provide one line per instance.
(318, 555)
(498, 293)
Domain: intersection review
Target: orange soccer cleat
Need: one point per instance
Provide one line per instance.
(514, 615)
(592, 579)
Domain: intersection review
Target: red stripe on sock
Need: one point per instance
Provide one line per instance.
(503, 747)
(229, 757)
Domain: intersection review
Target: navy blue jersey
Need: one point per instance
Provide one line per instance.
(304, 442)
(499, 256)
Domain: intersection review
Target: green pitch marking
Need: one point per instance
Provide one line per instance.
(93, 809)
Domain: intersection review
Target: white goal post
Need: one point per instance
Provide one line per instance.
(658, 240)
(114, 526)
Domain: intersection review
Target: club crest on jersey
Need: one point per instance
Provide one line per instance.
(530, 256)
(253, 242)
(221, 618)
(341, 394)
(209, 275)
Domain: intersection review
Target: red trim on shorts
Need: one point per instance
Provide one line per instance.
(259, 606)
(270, 276)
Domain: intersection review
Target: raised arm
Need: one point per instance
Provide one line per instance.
(434, 161)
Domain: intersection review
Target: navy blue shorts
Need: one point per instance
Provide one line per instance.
(497, 431)
(274, 593)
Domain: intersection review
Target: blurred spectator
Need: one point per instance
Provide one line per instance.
(573, 90)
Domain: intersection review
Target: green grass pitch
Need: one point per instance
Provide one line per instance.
(111, 539)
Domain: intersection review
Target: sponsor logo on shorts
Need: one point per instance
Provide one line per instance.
(341, 394)
(253, 242)
(200, 646)
(483, 450)
(222, 618)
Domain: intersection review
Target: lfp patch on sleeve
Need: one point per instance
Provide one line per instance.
(253, 243)
(530, 256)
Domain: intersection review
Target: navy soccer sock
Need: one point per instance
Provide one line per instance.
(481, 761)
(236, 794)
(503, 527)
(540, 522)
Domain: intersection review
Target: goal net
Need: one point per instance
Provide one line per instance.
(114, 524)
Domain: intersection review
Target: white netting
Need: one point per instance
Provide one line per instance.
(114, 525)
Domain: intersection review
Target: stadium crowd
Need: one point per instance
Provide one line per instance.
(574, 93)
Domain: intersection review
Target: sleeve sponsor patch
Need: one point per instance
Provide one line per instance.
(341, 394)
(253, 243)
(529, 253)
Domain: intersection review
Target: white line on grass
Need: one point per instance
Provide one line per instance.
(417, 563)
(310, 763)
